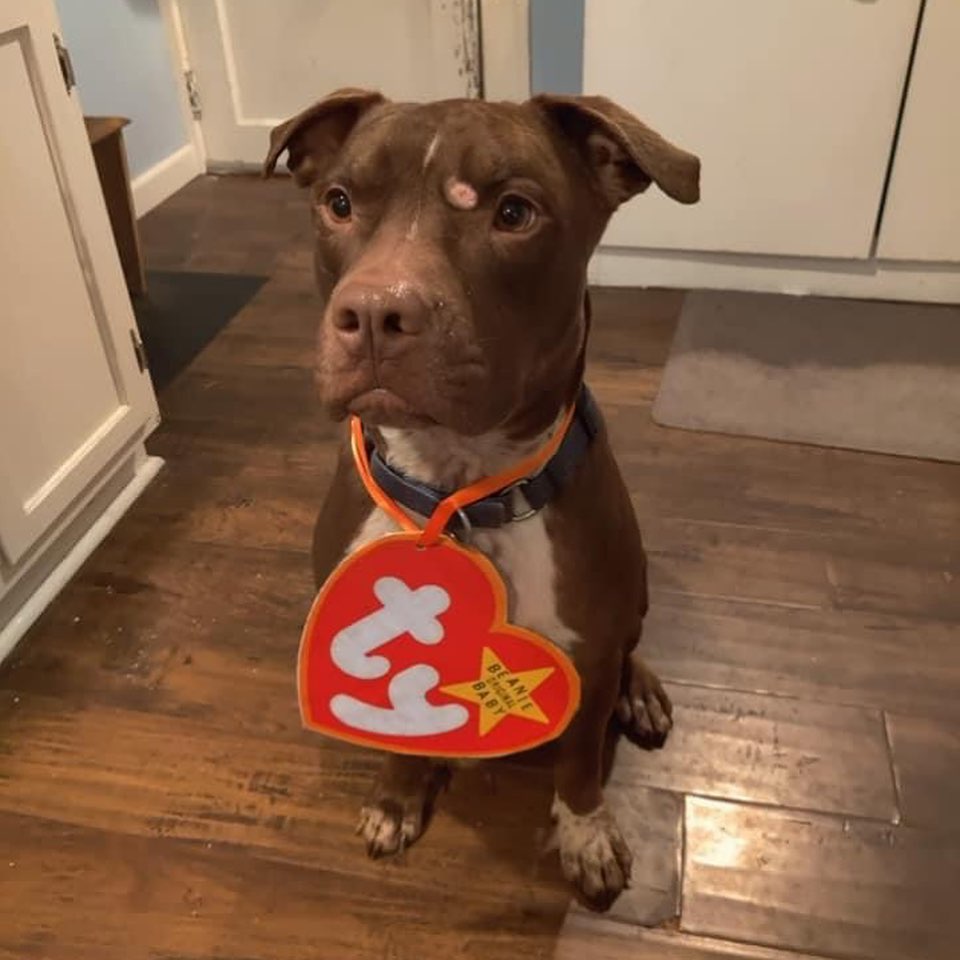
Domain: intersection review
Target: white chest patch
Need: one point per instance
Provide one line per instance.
(523, 554)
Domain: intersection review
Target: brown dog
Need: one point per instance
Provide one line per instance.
(452, 242)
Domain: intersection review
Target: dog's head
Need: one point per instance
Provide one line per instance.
(452, 242)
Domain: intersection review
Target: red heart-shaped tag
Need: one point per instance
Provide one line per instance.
(407, 649)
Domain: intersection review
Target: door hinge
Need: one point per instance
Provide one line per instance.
(193, 93)
(139, 351)
(66, 64)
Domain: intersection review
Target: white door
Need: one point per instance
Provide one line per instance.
(257, 63)
(791, 104)
(921, 219)
(72, 395)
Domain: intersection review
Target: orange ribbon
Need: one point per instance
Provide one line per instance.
(459, 499)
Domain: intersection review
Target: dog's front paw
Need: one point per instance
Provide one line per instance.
(644, 709)
(593, 854)
(400, 803)
(388, 827)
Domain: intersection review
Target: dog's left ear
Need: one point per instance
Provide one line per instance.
(625, 154)
(313, 137)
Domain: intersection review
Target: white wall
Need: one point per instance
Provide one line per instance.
(123, 67)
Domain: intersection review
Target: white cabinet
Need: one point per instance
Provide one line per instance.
(790, 104)
(74, 403)
(921, 220)
(830, 155)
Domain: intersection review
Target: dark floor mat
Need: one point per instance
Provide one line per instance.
(182, 312)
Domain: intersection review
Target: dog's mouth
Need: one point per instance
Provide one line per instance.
(381, 407)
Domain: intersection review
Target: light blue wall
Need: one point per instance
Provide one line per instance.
(120, 56)
(556, 46)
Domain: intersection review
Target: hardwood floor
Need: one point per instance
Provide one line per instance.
(158, 798)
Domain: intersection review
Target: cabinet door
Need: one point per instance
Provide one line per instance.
(791, 105)
(921, 220)
(72, 395)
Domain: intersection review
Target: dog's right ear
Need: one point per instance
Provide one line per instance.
(625, 155)
(312, 138)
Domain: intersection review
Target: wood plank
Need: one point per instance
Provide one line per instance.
(84, 894)
(926, 754)
(770, 750)
(200, 445)
(165, 652)
(869, 574)
(230, 224)
(202, 631)
(236, 348)
(804, 489)
(260, 396)
(589, 937)
(633, 327)
(293, 798)
(741, 480)
(821, 884)
(891, 575)
(166, 655)
(909, 665)
(652, 825)
(765, 566)
(287, 308)
(259, 505)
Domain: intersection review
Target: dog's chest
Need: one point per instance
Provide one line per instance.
(522, 552)
(523, 555)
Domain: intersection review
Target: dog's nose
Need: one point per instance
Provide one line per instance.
(363, 313)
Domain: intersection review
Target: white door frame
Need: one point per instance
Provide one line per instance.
(180, 60)
(505, 42)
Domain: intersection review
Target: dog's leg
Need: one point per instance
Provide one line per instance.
(593, 854)
(643, 708)
(401, 802)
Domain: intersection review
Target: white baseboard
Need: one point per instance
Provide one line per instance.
(165, 178)
(867, 279)
(45, 591)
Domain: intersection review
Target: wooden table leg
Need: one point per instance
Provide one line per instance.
(106, 138)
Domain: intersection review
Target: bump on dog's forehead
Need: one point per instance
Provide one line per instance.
(478, 144)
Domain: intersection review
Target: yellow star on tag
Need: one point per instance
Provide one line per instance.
(499, 692)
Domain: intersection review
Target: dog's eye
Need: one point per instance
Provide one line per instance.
(338, 203)
(514, 214)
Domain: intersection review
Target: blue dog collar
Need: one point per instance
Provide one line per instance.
(504, 506)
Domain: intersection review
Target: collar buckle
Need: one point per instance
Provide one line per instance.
(465, 533)
(509, 495)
